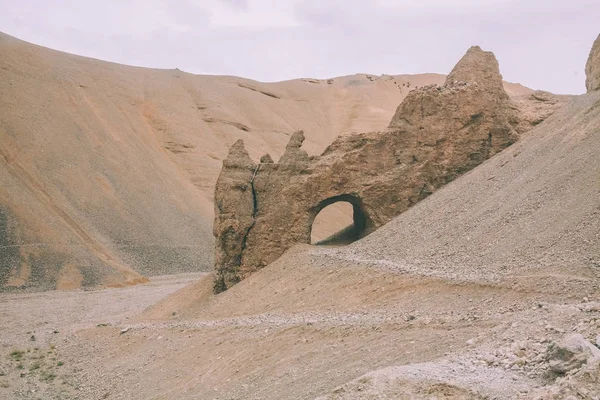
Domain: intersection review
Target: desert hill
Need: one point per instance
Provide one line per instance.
(107, 171)
(486, 289)
(460, 297)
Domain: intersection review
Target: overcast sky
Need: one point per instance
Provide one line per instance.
(542, 44)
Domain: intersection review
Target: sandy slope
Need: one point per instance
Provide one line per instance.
(106, 169)
(473, 261)
(444, 300)
(533, 211)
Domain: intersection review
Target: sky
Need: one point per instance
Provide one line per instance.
(543, 44)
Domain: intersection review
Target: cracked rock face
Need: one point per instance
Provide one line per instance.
(592, 68)
(234, 213)
(436, 134)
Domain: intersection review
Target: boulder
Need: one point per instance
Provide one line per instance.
(571, 354)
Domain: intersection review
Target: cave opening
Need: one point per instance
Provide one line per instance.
(338, 221)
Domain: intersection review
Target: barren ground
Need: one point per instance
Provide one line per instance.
(460, 297)
(39, 323)
(329, 330)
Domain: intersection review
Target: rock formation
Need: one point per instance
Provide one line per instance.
(570, 354)
(592, 68)
(436, 134)
(235, 205)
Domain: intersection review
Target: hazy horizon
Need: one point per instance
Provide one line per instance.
(540, 44)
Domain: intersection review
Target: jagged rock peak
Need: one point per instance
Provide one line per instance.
(238, 155)
(476, 66)
(473, 87)
(266, 159)
(592, 68)
(293, 152)
(296, 140)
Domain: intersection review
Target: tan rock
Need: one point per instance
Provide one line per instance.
(592, 68)
(534, 108)
(234, 213)
(571, 354)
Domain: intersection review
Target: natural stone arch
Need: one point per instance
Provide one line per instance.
(437, 133)
(361, 222)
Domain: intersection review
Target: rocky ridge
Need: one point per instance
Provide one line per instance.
(437, 134)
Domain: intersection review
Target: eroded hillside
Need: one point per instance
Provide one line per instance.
(462, 296)
(486, 289)
(107, 171)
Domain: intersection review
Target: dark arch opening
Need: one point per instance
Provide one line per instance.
(359, 225)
